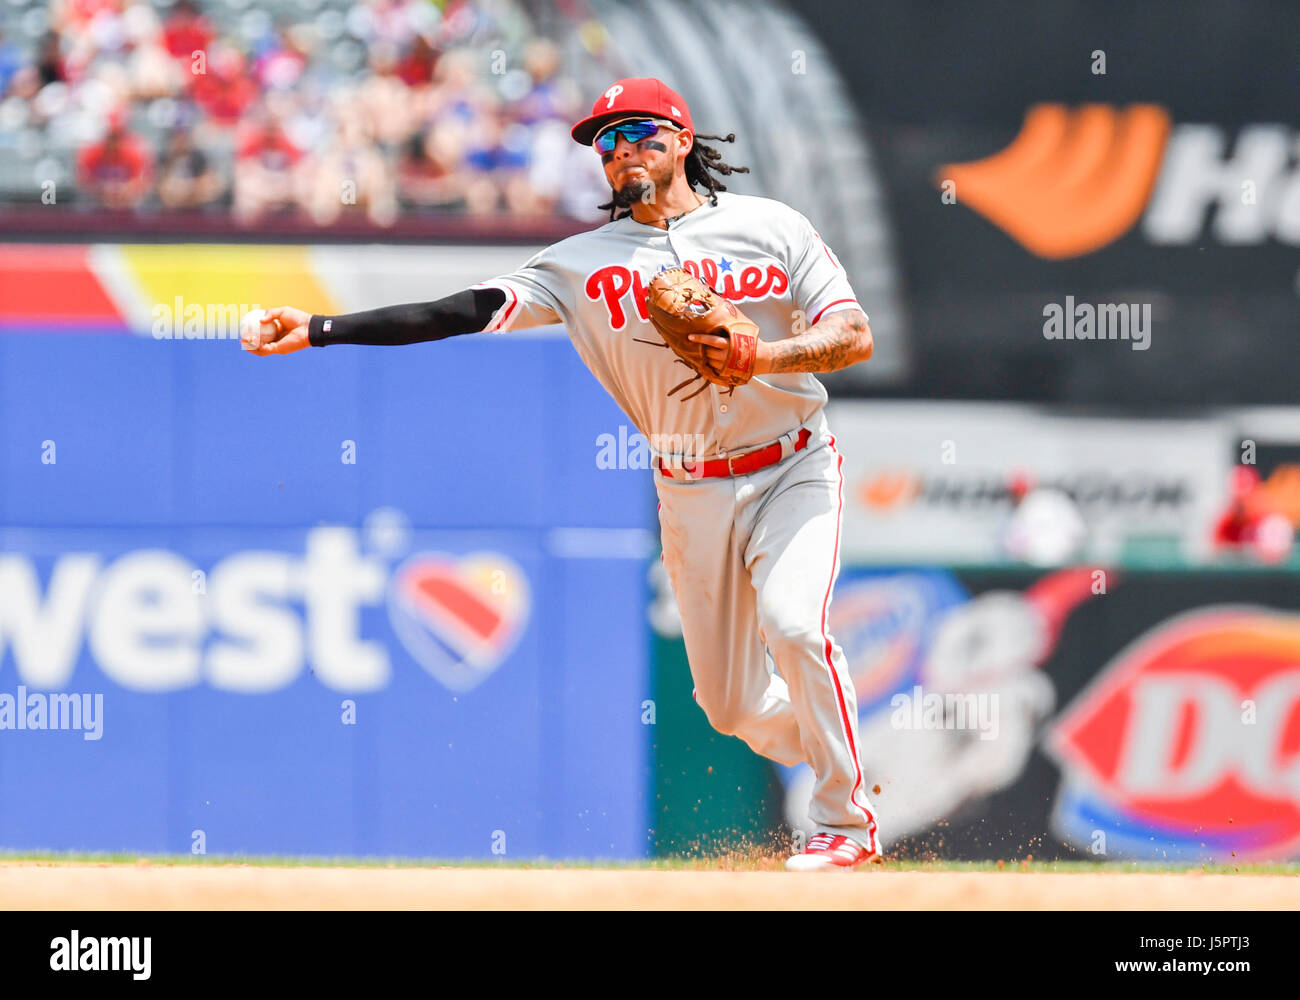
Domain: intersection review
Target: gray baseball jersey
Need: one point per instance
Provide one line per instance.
(752, 559)
(762, 255)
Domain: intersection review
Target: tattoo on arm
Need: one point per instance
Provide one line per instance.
(840, 340)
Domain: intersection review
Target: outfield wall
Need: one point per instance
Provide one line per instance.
(397, 602)
(369, 602)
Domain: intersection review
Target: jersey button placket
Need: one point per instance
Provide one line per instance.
(683, 251)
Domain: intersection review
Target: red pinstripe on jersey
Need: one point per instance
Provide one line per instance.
(507, 311)
(846, 724)
(837, 302)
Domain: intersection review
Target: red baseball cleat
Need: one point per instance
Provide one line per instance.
(828, 852)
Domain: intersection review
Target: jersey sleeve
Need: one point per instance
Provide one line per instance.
(818, 282)
(532, 296)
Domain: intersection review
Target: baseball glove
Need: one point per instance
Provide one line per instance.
(680, 304)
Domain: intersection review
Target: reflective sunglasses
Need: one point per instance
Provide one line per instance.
(632, 131)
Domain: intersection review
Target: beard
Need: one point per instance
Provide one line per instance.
(634, 191)
(645, 189)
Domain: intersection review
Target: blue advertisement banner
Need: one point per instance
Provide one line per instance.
(337, 604)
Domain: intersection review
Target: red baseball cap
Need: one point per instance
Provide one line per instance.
(634, 96)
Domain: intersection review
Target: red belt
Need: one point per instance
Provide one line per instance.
(742, 466)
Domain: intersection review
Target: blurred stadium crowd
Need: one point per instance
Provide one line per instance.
(304, 108)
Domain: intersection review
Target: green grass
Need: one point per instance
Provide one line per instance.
(747, 861)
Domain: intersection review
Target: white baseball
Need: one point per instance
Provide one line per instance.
(255, 330)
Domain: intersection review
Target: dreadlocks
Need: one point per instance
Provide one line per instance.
(702, 162)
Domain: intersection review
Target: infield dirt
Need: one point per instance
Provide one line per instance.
(70, 886)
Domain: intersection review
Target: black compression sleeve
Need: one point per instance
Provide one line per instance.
(465, 312)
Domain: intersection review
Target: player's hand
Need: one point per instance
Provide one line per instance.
(715, 349)
(289, 334)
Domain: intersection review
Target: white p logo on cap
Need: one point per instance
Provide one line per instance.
(612, 93)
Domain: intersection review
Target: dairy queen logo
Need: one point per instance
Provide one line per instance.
(1187, 745)
(459, 617)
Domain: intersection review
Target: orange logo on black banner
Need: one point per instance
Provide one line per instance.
(1071, 181)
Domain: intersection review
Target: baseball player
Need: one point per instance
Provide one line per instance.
(747, 472)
